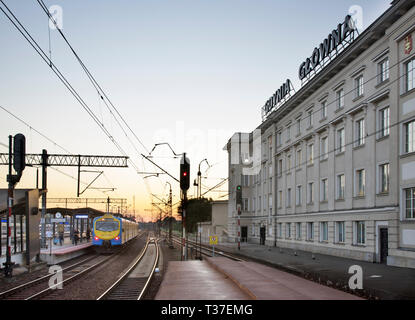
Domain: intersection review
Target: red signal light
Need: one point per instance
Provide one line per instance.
(184, 174)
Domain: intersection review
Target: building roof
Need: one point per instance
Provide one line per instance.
(372, 34)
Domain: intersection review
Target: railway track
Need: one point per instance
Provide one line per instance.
(207, 250)
(135, 281)
(40, 288)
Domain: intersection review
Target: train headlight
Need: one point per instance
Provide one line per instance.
(117, 238)
(96, 238)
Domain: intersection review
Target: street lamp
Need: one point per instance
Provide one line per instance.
(199, 177)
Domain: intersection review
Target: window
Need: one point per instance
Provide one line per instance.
(298, 231)
(410, 137)
(245, 205)
(265, 202)
(340, 232)
(409, 203)
(384, 122)
(298, 196)
(359, 85)
(340, 98)
(289, 163)
(324, 110)
(270, 201)
(360, 132)
(341, 140)
(324, 190)
(288, 133)
(298, 126)
(384, 178)
(259, 203)
(280, 199)
(310, 231)
(383, 70)
(270, 185)
(254, 204)
(324, 232)
(289, 198)
(410, 75)
(288, 231)
(340, 186)
(280, 167)
(279, 138)
(310, 154)
(360, 233)
(270, 147)
(279, 230)
(245, 180)
(310, 195)
(324, 149)
(299, 159)
(361, 181)
(309, 118)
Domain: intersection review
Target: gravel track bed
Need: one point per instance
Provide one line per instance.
(167, 255)
(6, 284)
(95, 282)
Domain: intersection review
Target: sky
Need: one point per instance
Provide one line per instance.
(186, 72)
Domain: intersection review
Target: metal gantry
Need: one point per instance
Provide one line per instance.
(64, 160)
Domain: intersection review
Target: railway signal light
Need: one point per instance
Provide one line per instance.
(184, 173)
(19, 153)
(238, 195)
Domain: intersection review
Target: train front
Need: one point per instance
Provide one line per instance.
(106, 231)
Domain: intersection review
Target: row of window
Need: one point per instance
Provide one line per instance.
(359, 232)
(360, 187)
(384, 172)
(340, 142)
(383, 75)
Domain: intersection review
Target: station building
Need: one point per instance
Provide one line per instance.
(331, 169)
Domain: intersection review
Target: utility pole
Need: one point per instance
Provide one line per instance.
(170, 216)
(184, 186)
(44, 191)
(239, 209)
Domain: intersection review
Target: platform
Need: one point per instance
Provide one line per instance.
(197, 280)
(224, 279)
(58, 254)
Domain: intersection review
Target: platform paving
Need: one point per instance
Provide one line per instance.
(379, 280)
(197, 280)
(266, 283)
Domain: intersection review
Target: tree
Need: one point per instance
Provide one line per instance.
(198, 210)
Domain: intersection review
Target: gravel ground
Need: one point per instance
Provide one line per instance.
(167, 255)
(93, 284)
(22, 278)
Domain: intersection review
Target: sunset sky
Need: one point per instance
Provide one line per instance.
(186, 72)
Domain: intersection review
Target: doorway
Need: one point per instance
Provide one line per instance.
(383, 245)
(262, 236)
(244, 234)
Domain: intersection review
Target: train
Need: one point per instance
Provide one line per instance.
(109, 231)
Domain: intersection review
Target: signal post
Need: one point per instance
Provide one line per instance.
(17, 152)
(184, 186)
(239, 209)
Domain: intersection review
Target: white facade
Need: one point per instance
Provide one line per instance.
(338, 158)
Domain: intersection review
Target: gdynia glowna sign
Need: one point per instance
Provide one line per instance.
(281, 93)
(329, 44)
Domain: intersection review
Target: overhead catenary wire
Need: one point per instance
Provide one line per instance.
(101, 93)
(18, 25)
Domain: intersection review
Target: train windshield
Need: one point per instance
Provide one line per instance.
(106, 225)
